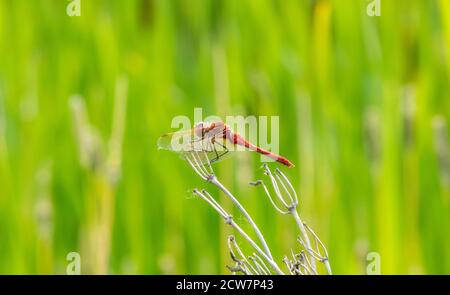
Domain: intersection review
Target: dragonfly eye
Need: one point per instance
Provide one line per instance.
(198, 125)
(199, 129)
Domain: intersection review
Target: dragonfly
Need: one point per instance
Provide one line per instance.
(216, 142)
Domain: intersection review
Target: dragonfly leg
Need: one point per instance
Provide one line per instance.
(225, 150)
(215, 151)
(200, 147)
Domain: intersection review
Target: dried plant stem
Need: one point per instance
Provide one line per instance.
(285, 202)
(206, 172)
(328, 266)
(287, 205)
(305, 237)
(229, 220)
(247, 216)
(255, 246)
(317, 254)
(290, 203)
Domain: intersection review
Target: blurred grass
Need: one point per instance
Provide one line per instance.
(363, 105)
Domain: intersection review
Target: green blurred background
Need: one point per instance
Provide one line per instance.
(364, 109)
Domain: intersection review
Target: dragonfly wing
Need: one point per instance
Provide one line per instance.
(179, 141)
(212, 147)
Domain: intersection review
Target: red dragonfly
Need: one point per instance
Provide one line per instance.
(215, 139)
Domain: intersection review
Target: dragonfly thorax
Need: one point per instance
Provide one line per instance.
(202, 129)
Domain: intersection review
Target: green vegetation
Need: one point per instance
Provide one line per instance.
(364, 109)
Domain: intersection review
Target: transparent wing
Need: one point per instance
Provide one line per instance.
(211, 147)
(180, 141)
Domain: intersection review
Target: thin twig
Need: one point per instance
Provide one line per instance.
(229, 220)
(205, 171)
(290, 204)
(285, 202)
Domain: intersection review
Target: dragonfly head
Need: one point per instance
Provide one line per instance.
(201, 128)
